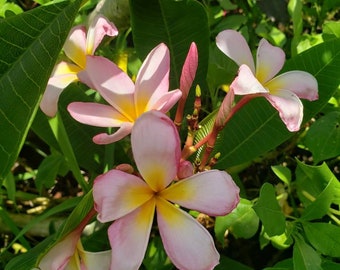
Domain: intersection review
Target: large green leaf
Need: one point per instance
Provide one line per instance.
(177, 24)
(30, 43)
(257, 128)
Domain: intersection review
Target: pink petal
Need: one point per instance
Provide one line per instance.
(189, 70)
(74, 46)
(289, 106)
(187, 243)
(99, 28)
(246, 83)
(234, 45)
(59, 255)
(64, 75)
(129, 237)
(225, 109)
(156, 149)
(117, 193)
(153, 78)
(112, 83)
(185, 169)
(95, 114)
(269, 61)
(212, 192)
(165, 102)
(123, 131)
(303, 84)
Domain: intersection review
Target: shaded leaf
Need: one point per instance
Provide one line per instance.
(305, 257)
(323, 137)
(34, 40)
(324, 237)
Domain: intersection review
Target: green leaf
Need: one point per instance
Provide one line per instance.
(268, 210)
(283, 173)
(317, 188)
(241, 222)
(323, 137)
(331, 29)
(156, 257)
(227, 263)
(324, 237)
(48, 170)
(257, 128)
(177, 24)
(34, 40)
(305, 257)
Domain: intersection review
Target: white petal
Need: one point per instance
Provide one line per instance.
(269, 61)
(234, 45)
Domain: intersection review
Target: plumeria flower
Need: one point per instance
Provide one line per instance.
(78, 47)
(132, 201)
(69, 254)
(126, 100)
(282, 91)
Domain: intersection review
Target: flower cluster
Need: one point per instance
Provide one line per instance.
(166, 182)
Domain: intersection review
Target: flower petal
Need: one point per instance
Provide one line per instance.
(131, 233)
(74, 46)
(165, 102)
(212, 192)
(152, 80)
(94, 260)
(59, 255)
(117, 193)
(156, 149)
(187, 243)
(64, 74)
(303, 84)
(123, 131)
(112, 84)
(289, 106)
(95, 114)
(99, 28)
(246, 83)
(269, 61)
(234, 45)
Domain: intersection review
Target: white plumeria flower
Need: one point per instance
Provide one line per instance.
(78, 47)
(131, 201)
(126, 100)
(283, 91)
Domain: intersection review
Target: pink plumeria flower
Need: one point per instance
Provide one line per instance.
(132, 201)
(282, 91)
(69, 253)
(126, 100)
(77, 48)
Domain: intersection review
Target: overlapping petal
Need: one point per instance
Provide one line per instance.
(117, 193)
(129, 237)
(246, 83)
(234, 45)
(100, 260)
(289, 106)
(99, 28)
(152, 80)
(211, 192)
(59, 255)
(187, 243)
(96, 114)
(156, 149)
(104, 138)
(165, 102)
(269, 61)
(75, 45)
(302, 83)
